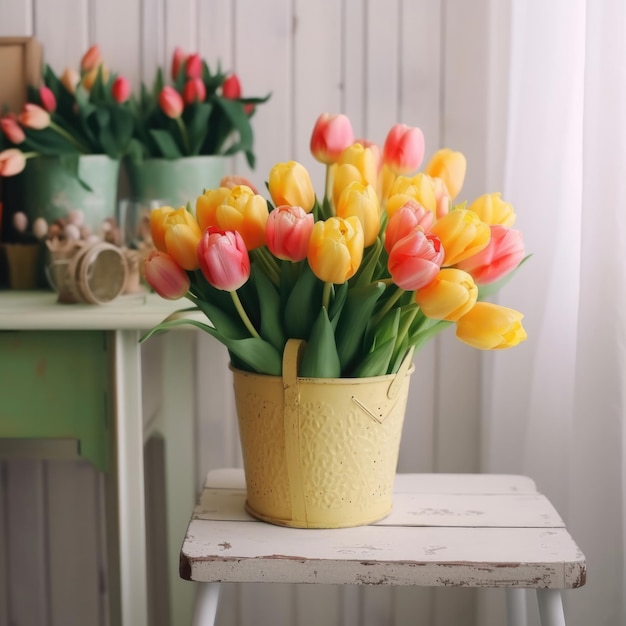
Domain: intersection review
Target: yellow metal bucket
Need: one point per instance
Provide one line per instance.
(320, 452)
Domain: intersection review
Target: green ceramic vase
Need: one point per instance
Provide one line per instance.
(174, 181)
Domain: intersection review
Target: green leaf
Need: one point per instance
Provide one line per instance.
(320, 358)
(356, 313)
(376, 362)
(365, 273)
(300, 309)
(225, 324)
(196, 120)
(164, 140)
(337, 303)
(269, 300)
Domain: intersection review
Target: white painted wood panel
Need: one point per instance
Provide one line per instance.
(16, 18)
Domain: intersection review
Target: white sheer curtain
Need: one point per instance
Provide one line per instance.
(555, 407)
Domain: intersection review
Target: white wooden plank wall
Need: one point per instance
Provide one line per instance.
(423, 62)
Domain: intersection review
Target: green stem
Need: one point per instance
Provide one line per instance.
(184, 134)
(243, 315)
(389, 304)
(328, 185)
(268, 264)
(326, 295)
(61, 131)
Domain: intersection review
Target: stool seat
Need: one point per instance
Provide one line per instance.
(468, 530)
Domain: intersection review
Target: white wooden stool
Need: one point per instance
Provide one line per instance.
(465, 530)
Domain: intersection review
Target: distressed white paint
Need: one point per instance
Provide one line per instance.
(417, 61)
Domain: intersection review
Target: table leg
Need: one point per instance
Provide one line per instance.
(207, 597)
(130, 478)
(550, 607)
(516, 607)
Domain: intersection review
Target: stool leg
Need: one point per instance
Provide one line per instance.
(550, 607)
(207, 596)
(516, 607)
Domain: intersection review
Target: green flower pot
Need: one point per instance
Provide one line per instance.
(46, 189)
(174, 181)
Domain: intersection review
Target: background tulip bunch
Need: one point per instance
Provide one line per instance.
(382, 264)
(200, 113)
(80, 112)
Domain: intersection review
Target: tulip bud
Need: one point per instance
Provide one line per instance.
(415, 260)
(178, 58)
(194, 91)
(120, 90)
(403, 150)
(405, 220)
(288, 231)
(449, 296)
(462, 234)
(289, 183)
(206, 206)
(231, 87)
(33, 116)
(246, 212)
(420, 188)
(232, 180)
(171, 102)
(362, 202)
(165, 276)
(12, 129)
(336, 249)
(502, 254)
(48, 101)
(449, 166)
(12, 162)
(193, 66)
(182, 234)
(224, 259)
(157, 226)
(91, 59)
(331, 135)
(489, 326)
(493, 210)
(69, 79)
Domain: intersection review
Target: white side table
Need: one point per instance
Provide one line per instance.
(465, 530)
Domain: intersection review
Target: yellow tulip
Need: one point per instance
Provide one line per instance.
(245, 212)
(450, 296)
(362, 202)
(462, 235)
(364, 159)
(493, 210)
(420, 188)
(206, 206)
(449, 166)
(182, 235)
(490, 326)
(336, 249)
(290, 184)
(157, 226)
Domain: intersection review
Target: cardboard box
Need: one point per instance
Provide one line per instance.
(21, 63)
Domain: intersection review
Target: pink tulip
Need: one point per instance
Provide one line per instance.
(288, 231)
(415, 260)
(48, 100)
(231, 87)
(194, 91)
(69, 79)
(178, 58)
(120, 90)
(403, 151)
(165, 276)
(193, 66)
(503, 254)
(331, 135)
(33, 116)
(232, 180)
(12, 129)
(405, 220)
(171, 102)
(224, 259)
(91, 59)
(12, 162)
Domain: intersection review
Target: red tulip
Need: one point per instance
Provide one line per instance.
(33, 116)
(405, 220)
(194, 91)
(503, 253)
(165, 276)
(403, 151)
(48, 101)
(224, 259)
(193, 66)
(120, 89)
(171, 102)
(12, 162)
(288, 231)
(415, 260)
(12, 129)
(231, 87)
(178, 58)
(331, 135)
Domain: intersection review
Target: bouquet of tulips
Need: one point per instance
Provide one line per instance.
(385, 261)
(200, 113)
(80, 112)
